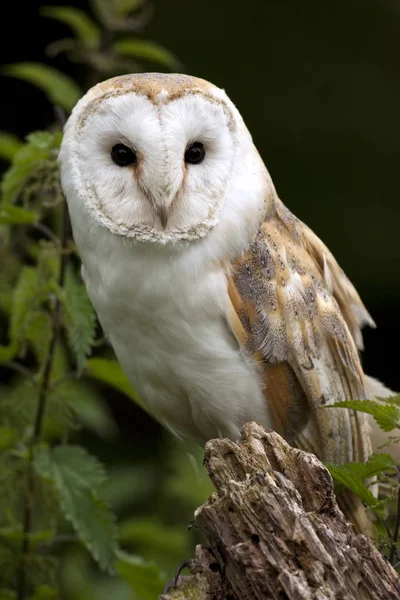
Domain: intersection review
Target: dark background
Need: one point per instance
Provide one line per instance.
(318, 85)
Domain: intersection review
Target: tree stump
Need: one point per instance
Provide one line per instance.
(275, 531)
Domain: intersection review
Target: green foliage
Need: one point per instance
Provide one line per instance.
(9, 145)
(77, 476)
(15, 215)
(55, 397)
(58, 87)
(144, 578)
(109, 371)
(386, 415)
(40, 150)
(80, 321)
(84, 28)
(146, 50)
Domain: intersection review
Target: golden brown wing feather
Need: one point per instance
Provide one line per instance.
(294, 309)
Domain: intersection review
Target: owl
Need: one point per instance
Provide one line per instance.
(222, 307)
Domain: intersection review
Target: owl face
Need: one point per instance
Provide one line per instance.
(152, 156)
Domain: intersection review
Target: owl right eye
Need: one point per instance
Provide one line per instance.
(123, 156)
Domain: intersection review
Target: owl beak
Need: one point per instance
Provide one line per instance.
(163, 214)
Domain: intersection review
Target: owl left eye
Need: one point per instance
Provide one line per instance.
(195, 153)
(123, 156)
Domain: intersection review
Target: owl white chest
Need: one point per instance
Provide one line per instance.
(167, 324)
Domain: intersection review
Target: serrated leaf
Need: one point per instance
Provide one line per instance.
(81, 321)
(343, 475)
(146, 50)
(144, 578)
(81, 24)
(9, 145)
(58, 87)
(40, 147)
(391, 400)
(110, 372)
(386, 416)
(90, 408)
(38, 334)
(77, 476)
(26, 298)
(15, 215)
(378, 462)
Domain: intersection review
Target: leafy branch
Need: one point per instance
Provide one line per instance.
(359, 476)
(53, 389)
(41, 407)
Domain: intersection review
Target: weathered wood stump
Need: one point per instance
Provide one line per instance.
(275, 531)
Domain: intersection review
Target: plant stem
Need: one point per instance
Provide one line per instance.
(40, 412)
(393, 548)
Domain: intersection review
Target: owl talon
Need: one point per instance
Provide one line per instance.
(174, 582)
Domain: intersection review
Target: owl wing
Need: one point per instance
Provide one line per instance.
(295, 311)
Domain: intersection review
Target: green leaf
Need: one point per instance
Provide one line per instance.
(344, 476)
(8, 437)
(144, 578)
(40, 147)
(58, 87)
(81, 24)
(377, 462)
(386, 416)
(9, 145)
(153, 537)
(110, 372)
(45, 592)
(146, 50)
(90, 408)
(111, 11)
(391, 400)
(126, 7)
(81, 319)
(77, 476)
(25, 299)
(15, 215)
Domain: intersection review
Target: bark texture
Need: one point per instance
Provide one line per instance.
(275, 530)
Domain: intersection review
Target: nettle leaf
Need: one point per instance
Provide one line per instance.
(387, 415)
(26, 299)
(110, 11)
(81, 24)
(39, 147)
(144, 578)
(344, 476)
(81, 318)
(392, 400)
(58, 87)
(146, 50)
(78, 477)
(90, 408)
(110, 372)
(378, 462)
(15, 215)
(9, 145)
(8, 437)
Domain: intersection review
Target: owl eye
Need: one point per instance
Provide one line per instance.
(195, 153)
(122, 155)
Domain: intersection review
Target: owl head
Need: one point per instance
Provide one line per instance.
(155, 157)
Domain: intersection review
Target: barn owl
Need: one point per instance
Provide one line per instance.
(222, 307)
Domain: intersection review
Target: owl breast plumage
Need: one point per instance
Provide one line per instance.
(221, 306)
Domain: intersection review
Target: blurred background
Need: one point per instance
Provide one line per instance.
(318, 85)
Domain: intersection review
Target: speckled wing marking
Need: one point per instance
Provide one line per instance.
(296, 312)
